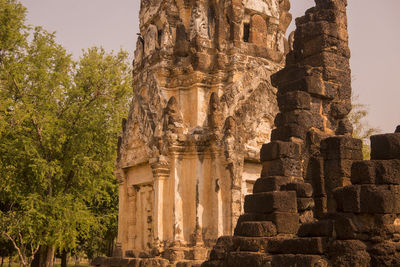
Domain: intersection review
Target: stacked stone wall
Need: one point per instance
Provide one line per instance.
(317, 202)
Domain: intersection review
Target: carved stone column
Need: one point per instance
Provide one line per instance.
(176, 196)
(122, 221)
(161, 173)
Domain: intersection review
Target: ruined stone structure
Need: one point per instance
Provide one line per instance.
(203, 105)
(317, 202)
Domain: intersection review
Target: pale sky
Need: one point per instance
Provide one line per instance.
(373, 28)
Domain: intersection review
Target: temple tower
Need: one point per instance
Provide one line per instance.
(203, 105)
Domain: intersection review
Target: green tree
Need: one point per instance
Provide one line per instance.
(59, 123)
(362, 129)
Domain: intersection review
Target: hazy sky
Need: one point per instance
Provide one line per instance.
(373, 26)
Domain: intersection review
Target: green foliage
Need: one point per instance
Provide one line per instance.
(59, 123)
(12, 18)
(362, 130)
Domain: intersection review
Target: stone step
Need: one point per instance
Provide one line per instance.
(323, 228)
(188, 263)
(282, 201)
(279, 149)
(385, 146)
(368, 199)
(288, 131)
(306, 245)
(285, 222)
(256, 229)
(243, 259)
(213, 263)
(270, 184)
(251, 244)
(281, 167)
(288, 75)
(290, 260)
(341, 148)
(376, 172)
(303, 190)
(294, 100)
(363, 172)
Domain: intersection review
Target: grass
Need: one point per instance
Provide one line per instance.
(57, 263)
(14, 264)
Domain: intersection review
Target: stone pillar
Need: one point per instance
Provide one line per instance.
(161, 173)
(178, 237)
(217, 193)
(200, 203)
(131, 218)
(122, 238)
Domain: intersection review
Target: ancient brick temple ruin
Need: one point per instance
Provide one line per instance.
(203, 106)
(204, 102)
(317, 202)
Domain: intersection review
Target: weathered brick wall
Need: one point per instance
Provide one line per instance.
(317, 202)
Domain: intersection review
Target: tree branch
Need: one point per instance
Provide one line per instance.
(70, 177)
(21, 256)
(34, 251)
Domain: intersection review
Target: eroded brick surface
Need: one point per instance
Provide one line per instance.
(348, 211)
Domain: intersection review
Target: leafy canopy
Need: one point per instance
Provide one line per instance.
(59, 123)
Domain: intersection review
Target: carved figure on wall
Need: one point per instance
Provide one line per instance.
(280, 42)
(173, 121)
(150, 40)
(139, 50)
(166, 38)
(215, 117)
(198, 22)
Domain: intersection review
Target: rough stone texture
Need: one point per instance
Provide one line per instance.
(203, 105)
(271, 201)
(385, 146)
(257, 229)
(312, 245)
(347, 210)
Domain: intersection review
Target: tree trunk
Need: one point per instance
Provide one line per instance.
(36, 260)
(44, 257)
(9, 261)
(49, 257)
(64, 259)
(2, 261)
